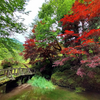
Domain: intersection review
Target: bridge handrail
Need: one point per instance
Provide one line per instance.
(15, 71)
(12, 69)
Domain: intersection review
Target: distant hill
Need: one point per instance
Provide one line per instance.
(17, 41)
(21, 47)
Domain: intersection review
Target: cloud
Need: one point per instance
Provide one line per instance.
(32, 6)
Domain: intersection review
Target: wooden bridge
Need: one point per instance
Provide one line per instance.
(12, 73)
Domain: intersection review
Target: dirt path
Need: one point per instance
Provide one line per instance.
(15, 91)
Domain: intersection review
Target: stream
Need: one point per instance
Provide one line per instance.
(27, 92)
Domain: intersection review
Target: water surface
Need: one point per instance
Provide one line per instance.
(26, 92)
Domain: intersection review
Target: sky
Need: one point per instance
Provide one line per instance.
(33, 6)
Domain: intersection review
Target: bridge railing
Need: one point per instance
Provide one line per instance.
(15, 71)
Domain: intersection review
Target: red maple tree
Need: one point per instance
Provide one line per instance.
(78, 44)
(38, 53)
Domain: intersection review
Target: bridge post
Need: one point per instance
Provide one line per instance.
(10, 74)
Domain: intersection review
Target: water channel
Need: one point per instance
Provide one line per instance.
(26, 92)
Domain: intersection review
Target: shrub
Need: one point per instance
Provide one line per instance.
(69, 79)
(6, 64)
(41, 82)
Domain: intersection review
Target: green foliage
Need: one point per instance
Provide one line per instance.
(90, 51)
(6, 45)
(69, 79)
(6, 64)
(44, 30)
(64, 79)
(8, 18)
(79, 89)
(11, 62)
(66, 65)
(95, 25)
(46, 10)
(10, 48)
(9, 24)
(55, 7)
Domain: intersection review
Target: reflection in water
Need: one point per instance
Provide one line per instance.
(29, 93)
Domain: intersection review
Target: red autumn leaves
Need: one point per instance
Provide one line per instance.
(82, 11)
